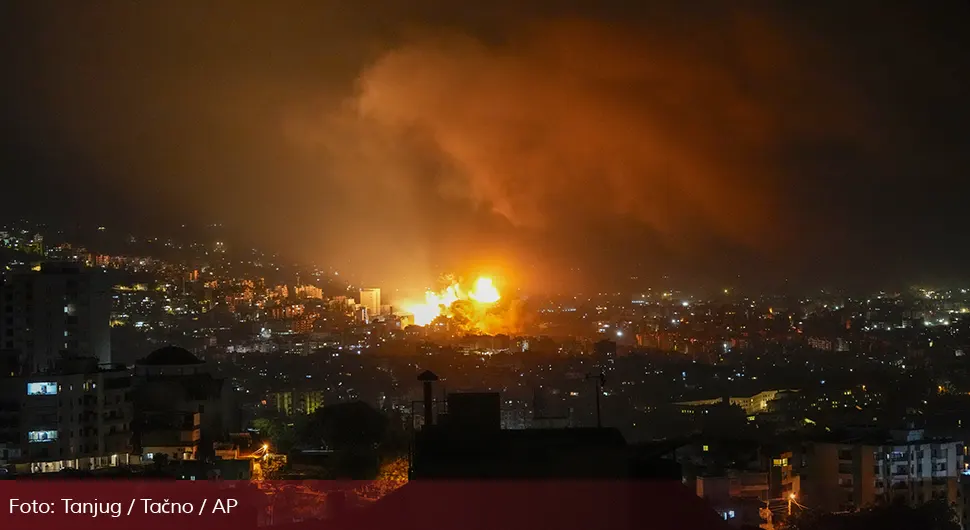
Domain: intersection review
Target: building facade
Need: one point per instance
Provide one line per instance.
(77, 417)
(61, 310)
(371, 300)
(297, 401)
(180, 405)
(844, 476)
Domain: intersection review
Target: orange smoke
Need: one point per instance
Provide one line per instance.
(577, 119)
(547, 142)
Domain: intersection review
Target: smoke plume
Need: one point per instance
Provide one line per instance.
(568, 131)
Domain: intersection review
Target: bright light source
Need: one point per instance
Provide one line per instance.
(792, 496)
(619, 333)
(265, 447)
(685, 303)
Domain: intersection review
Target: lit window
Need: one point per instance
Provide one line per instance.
(42, 389)
(41, 436)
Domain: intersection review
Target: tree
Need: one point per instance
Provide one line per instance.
(277, 432)
(393, 474)
(934, 515)
(345, 426)
(354, 431)
(269, 468)
(396, 439)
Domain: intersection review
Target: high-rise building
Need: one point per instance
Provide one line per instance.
(60, 311)
(292, 402)
(371, 299)
(75, 417)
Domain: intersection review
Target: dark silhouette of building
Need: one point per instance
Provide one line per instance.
(180, 406)
(60, 311)
(467, 472)
(605, 353)
(467, 442)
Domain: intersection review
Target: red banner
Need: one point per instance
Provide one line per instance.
(429, 505)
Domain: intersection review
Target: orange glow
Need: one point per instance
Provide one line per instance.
(483, 294)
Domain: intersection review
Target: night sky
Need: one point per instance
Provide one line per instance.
(563, 145)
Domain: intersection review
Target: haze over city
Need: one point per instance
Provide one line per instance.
(422, 264)
(565, 146)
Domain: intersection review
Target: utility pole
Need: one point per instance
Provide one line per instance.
(600, 381)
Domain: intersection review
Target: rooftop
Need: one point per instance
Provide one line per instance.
(170, 356)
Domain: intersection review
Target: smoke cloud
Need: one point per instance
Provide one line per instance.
(569, 127)
(551, 148)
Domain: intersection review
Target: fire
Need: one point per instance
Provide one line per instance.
(483, 293)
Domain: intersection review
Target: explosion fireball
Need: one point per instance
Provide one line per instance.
(448, 301)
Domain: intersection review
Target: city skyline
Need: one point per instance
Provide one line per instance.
(415, 263)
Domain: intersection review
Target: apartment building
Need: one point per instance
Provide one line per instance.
(849, 474)
(55, 311)
(75, 417)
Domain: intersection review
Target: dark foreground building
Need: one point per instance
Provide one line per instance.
(467, 473)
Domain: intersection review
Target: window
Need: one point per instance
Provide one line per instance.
(41, 436)
(45, 388)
